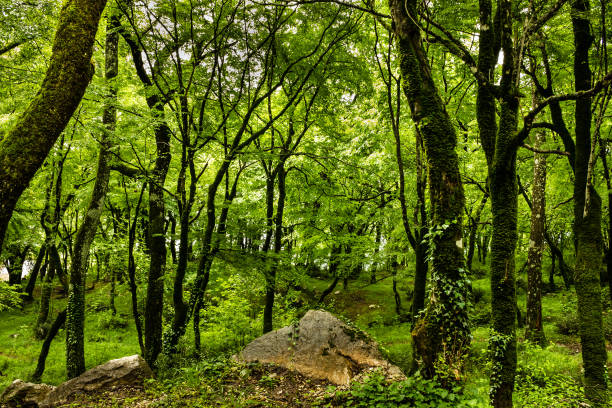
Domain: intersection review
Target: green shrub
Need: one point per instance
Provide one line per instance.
(534, 388)
(110, 321)
(414, 392)
(9, 297)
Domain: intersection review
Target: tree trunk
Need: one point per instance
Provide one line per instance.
(535, 330)
(473, 230)
(444, 327)
(278, 240)
(44, 351)
(29, 290)
(210, 247)
(376, 251)
(551, 275)
(75, 317)
(132, 271)
(24, 148)
(40, 330)
(587, 221)
(500, 149)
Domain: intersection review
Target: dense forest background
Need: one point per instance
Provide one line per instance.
(179, 177)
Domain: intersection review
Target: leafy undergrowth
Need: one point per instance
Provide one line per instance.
(547, 376)
(221, 383)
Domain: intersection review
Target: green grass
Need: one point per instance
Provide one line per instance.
(19, 348)
(546, 374)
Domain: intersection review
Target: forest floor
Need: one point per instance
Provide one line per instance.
(548, 376)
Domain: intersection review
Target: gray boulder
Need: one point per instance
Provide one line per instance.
(126, 371)
(320, 346)
(24, 394)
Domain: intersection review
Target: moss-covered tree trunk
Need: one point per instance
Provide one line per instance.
(443, 331)
(24, 148)
(154, 303)
(500, 147)
(587, 220)
(504, 206)
(75, 311)
(155, 236)
(535, 331)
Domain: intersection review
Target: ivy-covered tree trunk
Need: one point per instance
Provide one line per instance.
(535, 331)
(443, 331)
(24, 148)
(587, 221)
(75, 311)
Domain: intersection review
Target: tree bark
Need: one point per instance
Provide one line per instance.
(535, 330)
(75, 311)
(500, 151)
(44, 351)
(587, 220)
(27, 144)
(474, 221)
(278, 238)
(444, 327)
(40, 258)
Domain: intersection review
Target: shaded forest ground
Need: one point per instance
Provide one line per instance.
(547, 376)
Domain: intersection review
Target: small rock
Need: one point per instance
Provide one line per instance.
(24, 394)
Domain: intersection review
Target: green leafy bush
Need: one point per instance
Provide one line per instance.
(569, 325)
(534, 388)
(9, 297)
(414, 392)
(110, 321)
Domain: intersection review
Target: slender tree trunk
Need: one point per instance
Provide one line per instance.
(44, 351)
(566, 271)
(551, 275)
(132, 271)
(608, 253)
(26, 145)
(376, 251)
(473, 230)
(29, 290)
(267, 243)
(420, 218)
(75, 317)
(172, 235)
(587, 221)
(210, 247)
(278, 238)
(334, 262)
(45, 300)
(535, 330)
